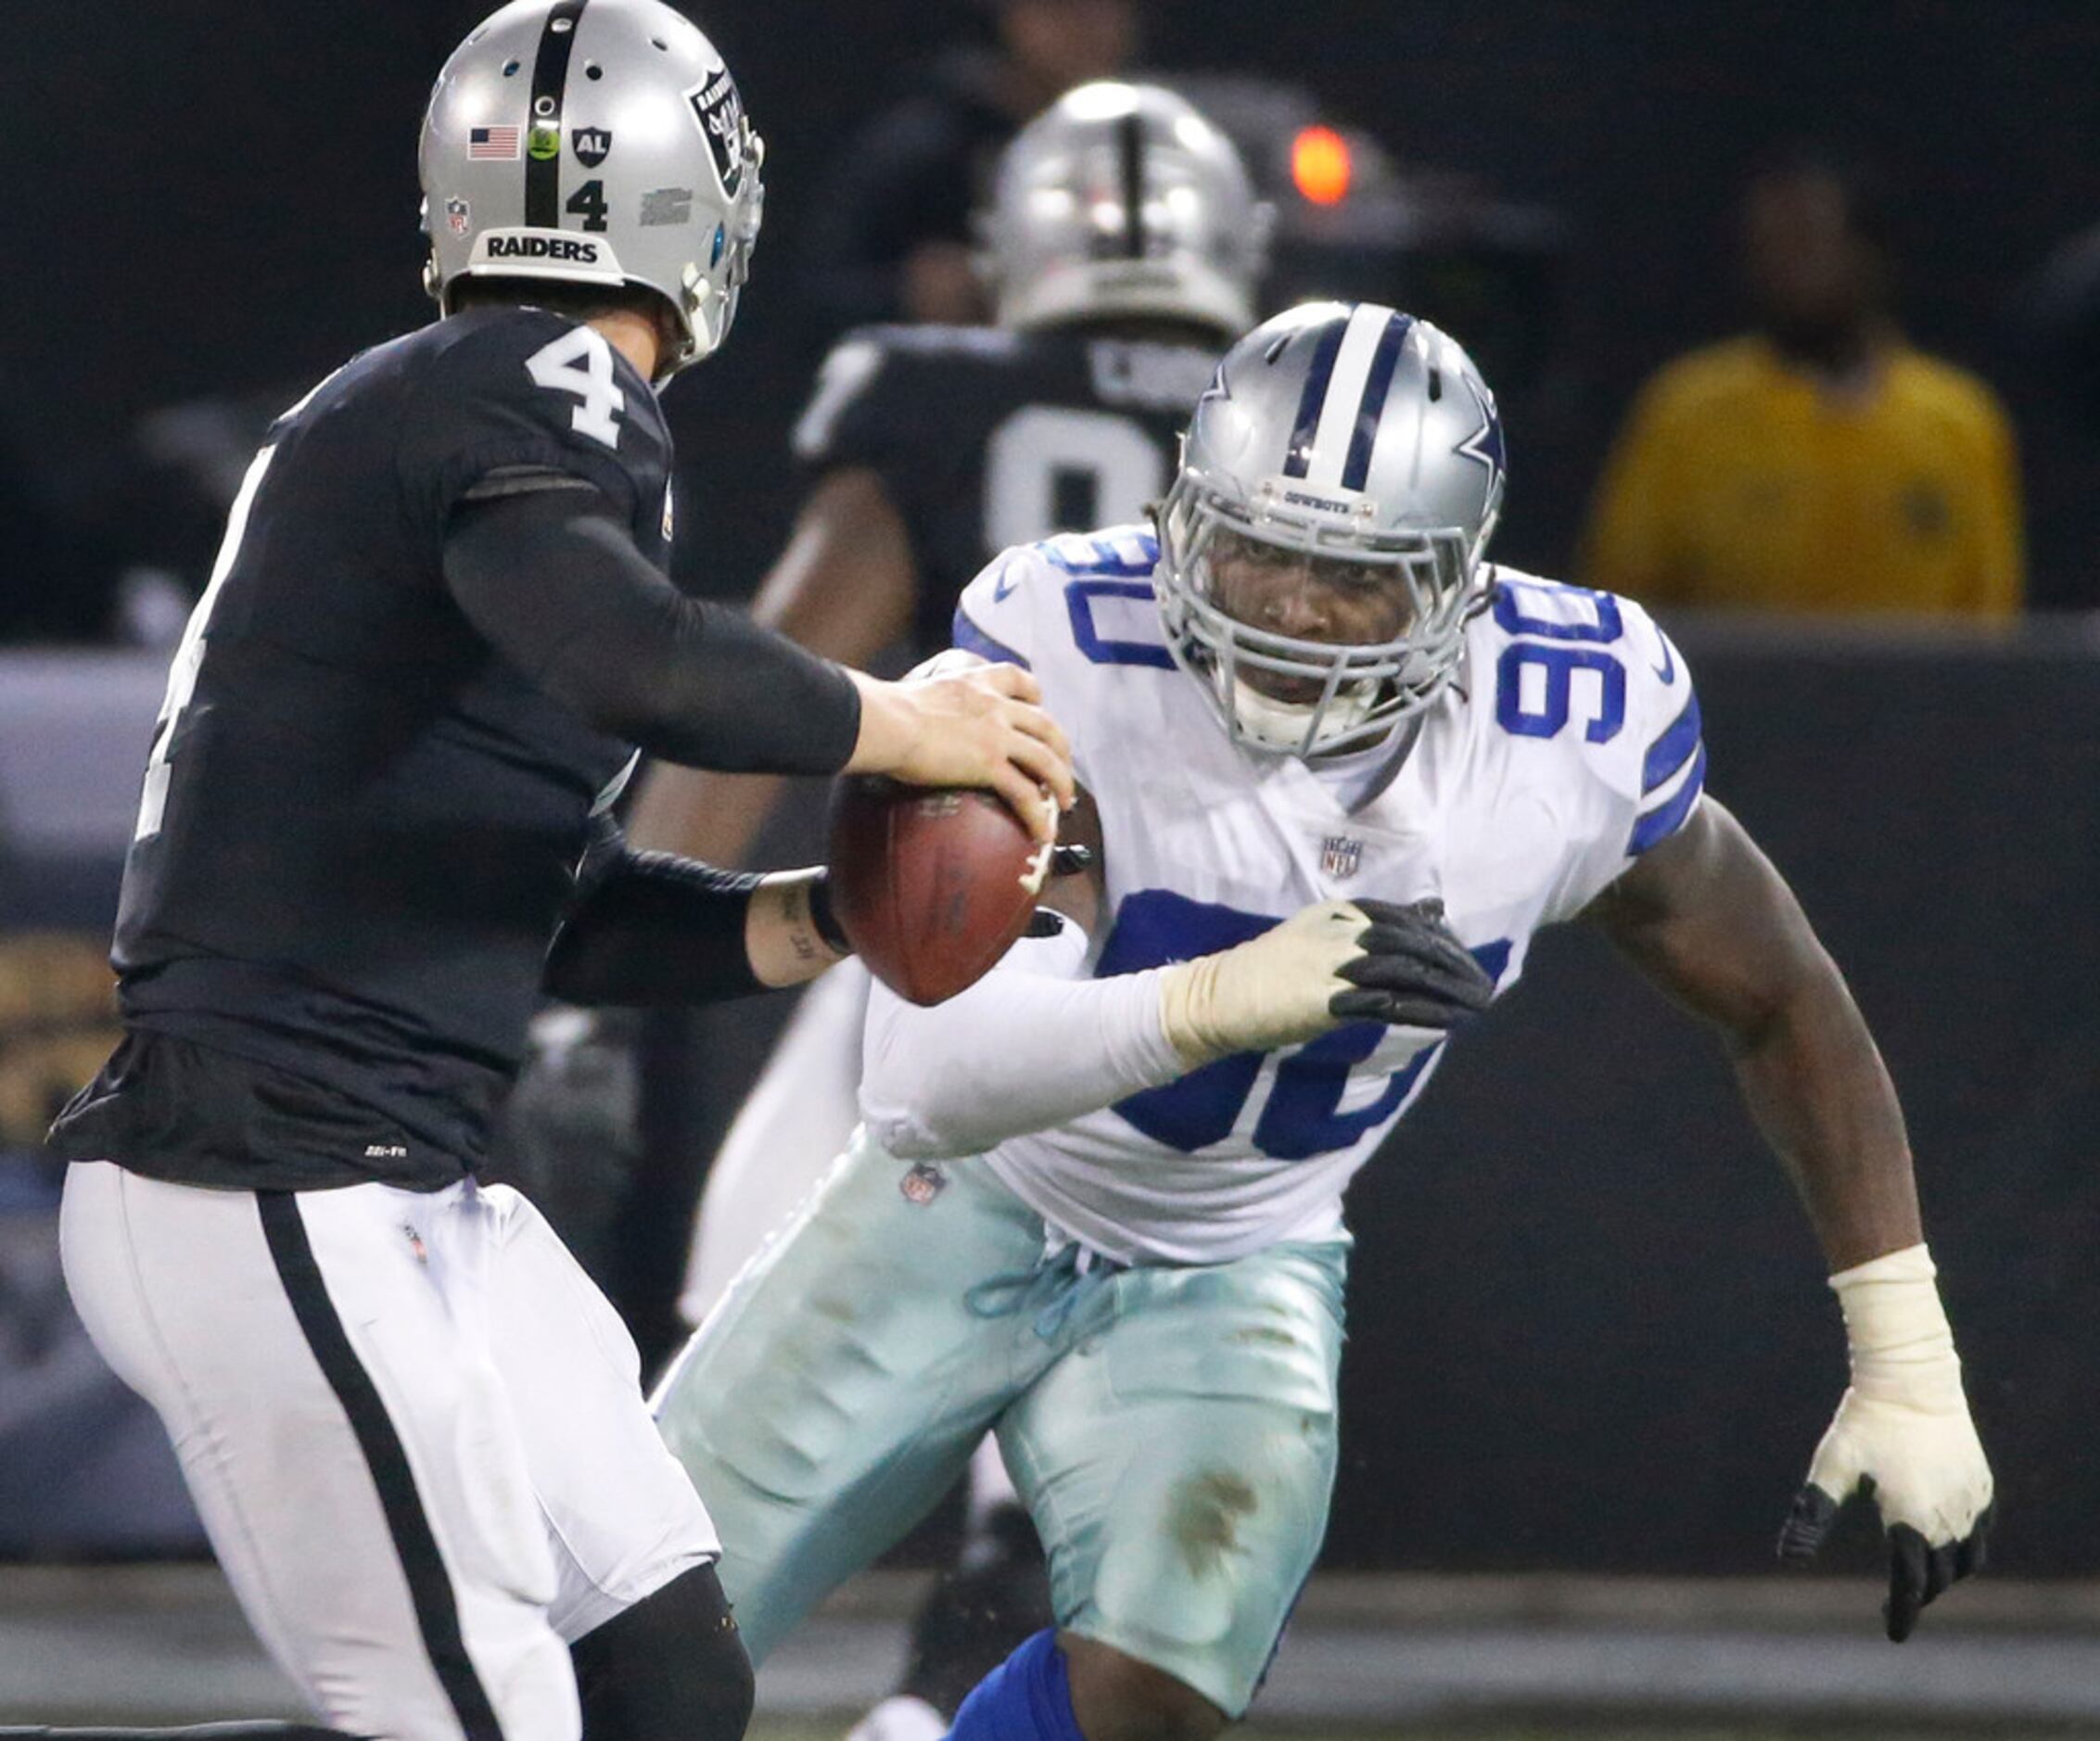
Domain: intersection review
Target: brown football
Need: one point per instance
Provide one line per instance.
(931, 884)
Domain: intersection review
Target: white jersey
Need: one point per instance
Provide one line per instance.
(1569, 744)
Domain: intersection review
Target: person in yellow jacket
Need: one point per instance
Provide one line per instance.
(1818, 464)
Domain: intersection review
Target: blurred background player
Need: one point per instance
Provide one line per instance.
(889, 237)
(1121, 248)
(1818, 464)
(1096, 1201)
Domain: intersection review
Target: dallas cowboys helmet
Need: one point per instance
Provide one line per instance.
(1347, 432)
(1121, 199)
(597, 142)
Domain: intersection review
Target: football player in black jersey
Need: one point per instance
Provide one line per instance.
(1122, 246)
(373, 830)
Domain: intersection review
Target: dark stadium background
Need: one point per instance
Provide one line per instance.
(201, 200)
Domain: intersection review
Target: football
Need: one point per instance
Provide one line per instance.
(931, 884)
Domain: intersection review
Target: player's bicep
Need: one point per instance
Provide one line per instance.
(1706, 918)
(552, 579)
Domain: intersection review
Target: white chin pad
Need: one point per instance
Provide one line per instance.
(1280, 725)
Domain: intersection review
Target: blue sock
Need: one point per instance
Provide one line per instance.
(1027, 1698)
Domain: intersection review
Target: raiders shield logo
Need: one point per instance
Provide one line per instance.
(720, 113)
(592, 144)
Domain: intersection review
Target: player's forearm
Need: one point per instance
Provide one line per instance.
(660, 930)
(1029, 1047)
(1816, 1083)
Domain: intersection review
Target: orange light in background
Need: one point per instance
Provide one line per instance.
(1320, 165)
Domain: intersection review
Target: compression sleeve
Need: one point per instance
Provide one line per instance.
(552, 579)
(656, 929)
(1031, 1045)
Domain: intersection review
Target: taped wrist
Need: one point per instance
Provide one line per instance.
(1903, 1349)
(1272, 990)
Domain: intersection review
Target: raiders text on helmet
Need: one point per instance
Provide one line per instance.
(1122, 199)
(593, 142)
(1340, 430)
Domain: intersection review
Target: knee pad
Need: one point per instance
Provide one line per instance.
(671, 1666)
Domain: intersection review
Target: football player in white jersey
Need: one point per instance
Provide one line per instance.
(1096, 1202)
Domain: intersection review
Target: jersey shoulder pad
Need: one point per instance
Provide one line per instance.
(880, 386)
(1087, 594)
(517, 390)
(1593, 676)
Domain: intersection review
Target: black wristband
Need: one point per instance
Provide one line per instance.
(656, 929)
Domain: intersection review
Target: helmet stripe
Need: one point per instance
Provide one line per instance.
(1130, 137)
(1300, 455)
(550, 83)
(1332, 437)
(1357, 469)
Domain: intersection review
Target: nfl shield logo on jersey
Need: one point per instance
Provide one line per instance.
(1340, 856)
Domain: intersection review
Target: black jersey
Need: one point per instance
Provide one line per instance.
(985, 439)
(361, 825)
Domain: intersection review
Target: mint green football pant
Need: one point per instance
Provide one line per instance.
(1171, 1428)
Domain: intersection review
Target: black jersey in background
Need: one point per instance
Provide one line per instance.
(359, 825)
(985, 439)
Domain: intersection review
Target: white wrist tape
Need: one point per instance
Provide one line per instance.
(1272, 990)
(1903, 1422)
(1901, 1348)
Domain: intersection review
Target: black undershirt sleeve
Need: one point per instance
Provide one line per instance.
(656, 929)
(551, 578)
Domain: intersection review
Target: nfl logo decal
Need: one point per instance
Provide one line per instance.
(923, 1184)
(1340, 856)
(456, 215)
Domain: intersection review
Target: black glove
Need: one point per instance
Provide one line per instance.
(1413, 972)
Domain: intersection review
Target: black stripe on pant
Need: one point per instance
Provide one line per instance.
(430, 1588)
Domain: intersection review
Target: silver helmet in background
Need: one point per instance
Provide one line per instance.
(595, 142)
(1351, 434)
(1121, 199)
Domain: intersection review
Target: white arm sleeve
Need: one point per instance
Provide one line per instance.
(1031, 1045)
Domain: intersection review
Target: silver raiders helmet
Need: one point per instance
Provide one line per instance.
(596, 142)
(1121, 199)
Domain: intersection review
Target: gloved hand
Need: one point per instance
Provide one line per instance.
(1327, 965)
(1903, 1433)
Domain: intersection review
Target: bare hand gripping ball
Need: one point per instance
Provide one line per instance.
(932, 885)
